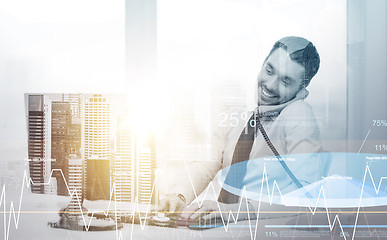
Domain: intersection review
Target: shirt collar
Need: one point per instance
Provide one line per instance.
(275, 110)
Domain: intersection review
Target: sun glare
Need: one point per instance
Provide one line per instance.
(148, 109)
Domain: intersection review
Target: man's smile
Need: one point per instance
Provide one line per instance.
(266, 93)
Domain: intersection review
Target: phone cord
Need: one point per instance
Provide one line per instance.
(278, 156)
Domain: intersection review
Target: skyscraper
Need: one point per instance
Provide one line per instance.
(75, 129)
(97, 127)
(60, 126)
(135, 165)
(74, 137)
(97, 178)
(75, 183)
(97, 141)
(74, 142)
(51, 183)
(145, 175)
(75, 101)
(39, 138)
(124, 161)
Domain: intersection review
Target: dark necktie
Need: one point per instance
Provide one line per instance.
(241, 153)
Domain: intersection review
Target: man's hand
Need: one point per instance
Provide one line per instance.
(212, 209)
(171, 203)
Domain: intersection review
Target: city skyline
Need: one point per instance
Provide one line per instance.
(93, 129)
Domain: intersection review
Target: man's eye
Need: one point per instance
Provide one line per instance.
(269, 70)
(285, 82)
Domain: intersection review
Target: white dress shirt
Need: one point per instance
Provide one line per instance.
(291, 127)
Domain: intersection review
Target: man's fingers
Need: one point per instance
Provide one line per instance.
(211, 216)
(188, 211)
(201, 211)
(196, 215)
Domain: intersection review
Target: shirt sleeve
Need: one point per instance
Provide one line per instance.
(201, 172)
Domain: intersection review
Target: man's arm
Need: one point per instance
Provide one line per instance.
(189, 179)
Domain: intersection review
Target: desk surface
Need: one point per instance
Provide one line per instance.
(38, 210)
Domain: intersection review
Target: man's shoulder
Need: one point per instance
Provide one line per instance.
(299, 114)
(298, 108)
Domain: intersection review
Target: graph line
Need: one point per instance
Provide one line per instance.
(14, 213)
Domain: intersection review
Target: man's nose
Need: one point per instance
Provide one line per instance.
(272, 84)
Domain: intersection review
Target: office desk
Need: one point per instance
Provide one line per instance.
(37, 210)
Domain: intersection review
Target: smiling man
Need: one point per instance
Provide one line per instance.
(289, 67)
(287, 120)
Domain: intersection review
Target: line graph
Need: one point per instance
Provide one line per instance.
(12, 215)
(312, 207)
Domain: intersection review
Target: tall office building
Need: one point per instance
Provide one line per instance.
(51, 183)
(75, 101)
(75, 184)
(60, 126)
(97, 127)
(39, 138)
(96, 142)
(124, 161)
(145, 175)
(97, 178)
(74, 133)
(135, 165)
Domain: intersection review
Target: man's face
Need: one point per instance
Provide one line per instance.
(280, 79)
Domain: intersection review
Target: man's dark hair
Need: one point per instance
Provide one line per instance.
(303, 52)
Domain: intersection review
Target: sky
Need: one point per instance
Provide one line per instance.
(55, 46)
(79, 46)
